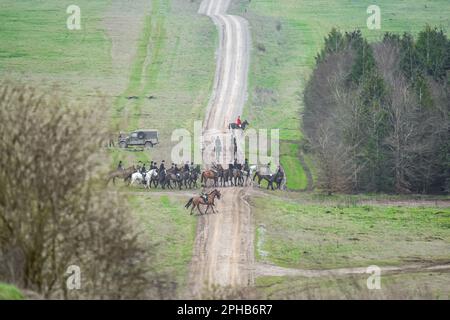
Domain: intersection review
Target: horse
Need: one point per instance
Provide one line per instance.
(235, 126)
(154, 176)
(162, 178)
(238, 177)
(277, 178)
(185, 176)
(209, 175)
(175, 177)
(137, 177)
(197, 201)
(121, 174)
(222, 175)
(194, 177)
(247, 173)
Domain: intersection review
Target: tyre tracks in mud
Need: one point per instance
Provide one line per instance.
(223, 250)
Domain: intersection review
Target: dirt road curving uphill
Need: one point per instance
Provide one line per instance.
(223, 253)
(230, 84)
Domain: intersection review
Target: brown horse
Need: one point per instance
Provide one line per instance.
(124, 174)
(209, 175)
(197, 201)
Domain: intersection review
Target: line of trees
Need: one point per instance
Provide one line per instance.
(376, 115)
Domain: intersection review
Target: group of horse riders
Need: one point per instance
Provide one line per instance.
(187, 174)
(154, 166)
(241, 173)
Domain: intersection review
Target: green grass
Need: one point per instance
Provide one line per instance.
(426, 285)
(179, 73)
(174, 62)
(287, 35)
(296, 177)
(36, 44)
(320, 235)
(169, 225)
(9, 292)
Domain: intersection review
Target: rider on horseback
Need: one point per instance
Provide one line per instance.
(204, 194)
(246, 165)
(143, 171)
(237, 165)
(176, 170)
(239, 122)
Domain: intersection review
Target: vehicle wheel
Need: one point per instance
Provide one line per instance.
(123, 145)
(148, 145)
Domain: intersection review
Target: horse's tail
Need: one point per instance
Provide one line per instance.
(189, 203)
(254, 176)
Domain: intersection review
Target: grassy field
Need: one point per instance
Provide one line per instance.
(36, 45)
(426, 285)
(8, 292)
(287, 34)
(171, 228)
(321, 234)
(174, 63)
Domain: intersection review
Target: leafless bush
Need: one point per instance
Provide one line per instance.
(52, 211)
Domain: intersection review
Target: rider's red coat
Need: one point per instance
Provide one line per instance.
(238, 122)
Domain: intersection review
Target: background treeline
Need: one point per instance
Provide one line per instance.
(376, 115)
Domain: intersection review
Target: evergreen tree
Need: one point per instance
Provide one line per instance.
(434, 52)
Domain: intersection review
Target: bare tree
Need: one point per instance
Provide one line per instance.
(52, 211)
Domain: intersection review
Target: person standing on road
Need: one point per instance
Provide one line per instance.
(218, 148)
(120, 166)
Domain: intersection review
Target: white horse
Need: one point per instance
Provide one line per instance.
(249, 177)
(137, 177)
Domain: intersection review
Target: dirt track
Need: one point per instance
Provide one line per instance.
(223, 252)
